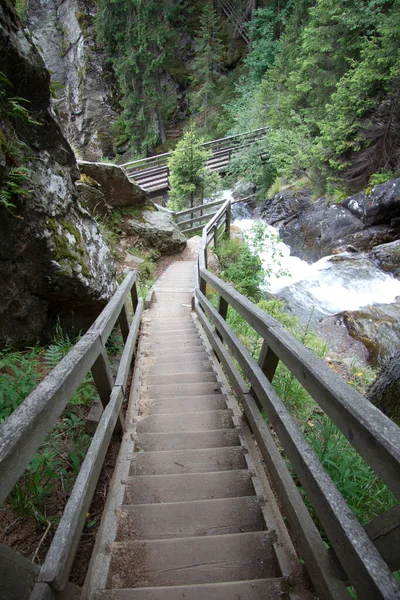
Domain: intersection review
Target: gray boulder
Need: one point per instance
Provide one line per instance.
(53, 259)
(243, 189)
(378, 205)
(158, 230)
(387, 256)
(114, 184)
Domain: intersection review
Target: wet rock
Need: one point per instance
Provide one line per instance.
(378, 205)
(64, 32)
(285, 206)
(158, 230)
(387, 256)
(53, 259)
(243, 189)
(377, 327)
(114, 183)
(315, 230)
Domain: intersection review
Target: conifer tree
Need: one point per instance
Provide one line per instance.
(207, 65)
(189, 177)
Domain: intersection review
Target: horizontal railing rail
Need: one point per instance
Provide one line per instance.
(217, 144)
(26, 429)
(353, 557)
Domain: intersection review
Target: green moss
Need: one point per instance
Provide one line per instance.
(88, 180)
(64, 253)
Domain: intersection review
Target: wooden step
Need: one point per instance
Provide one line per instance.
(157, 352)
(190, 377)
(196, 421)
(183, 389)
(256, 589)
(189, 519)
(187, 440)
(171, 345)
(194, 355)
(188, 461)
(180, 367)
(192, 560)
(186, 404)
(147, 489)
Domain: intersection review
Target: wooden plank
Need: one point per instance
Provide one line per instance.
(42, 591)
(192, 229)
(124, 322)
(195, 220)
(223, 311)
(24, 431)
(374, 435)
(134, 296)
(365, 567)
(126, 358)
(199, 208)
(384, 531)
(103, 377)
(60, 556)
(237, 382)
(218, 215)
(105, 322)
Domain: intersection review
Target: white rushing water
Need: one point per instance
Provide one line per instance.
(344, 281)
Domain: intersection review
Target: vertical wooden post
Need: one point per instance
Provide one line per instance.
(215, 235)
(134, 296)
(268, 361)
(124, 322)
(104, 382)
(223, 311)
(228, 221)
(203, 285)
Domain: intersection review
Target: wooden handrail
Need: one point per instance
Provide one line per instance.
(372, 434)
(26, 429)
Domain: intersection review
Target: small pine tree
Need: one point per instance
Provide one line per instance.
(207, 64)
(189, 177)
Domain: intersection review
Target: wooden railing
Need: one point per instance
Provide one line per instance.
(353, 557)
(26, 429)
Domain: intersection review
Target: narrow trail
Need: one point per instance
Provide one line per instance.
(187, 515)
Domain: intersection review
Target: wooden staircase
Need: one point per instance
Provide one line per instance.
(193, 521)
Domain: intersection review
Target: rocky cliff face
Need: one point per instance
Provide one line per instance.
(53, 260)
(64, 33)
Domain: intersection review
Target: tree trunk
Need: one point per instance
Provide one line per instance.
(161, 125)
(384, 392)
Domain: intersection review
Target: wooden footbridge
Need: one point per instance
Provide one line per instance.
(190, 512)
(152, 173)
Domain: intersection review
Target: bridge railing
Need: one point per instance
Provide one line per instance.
(219, 144)
(353, 557)
(26, 429)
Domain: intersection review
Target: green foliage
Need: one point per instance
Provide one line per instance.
(139, 41)
(14, 186)
(240, 267)
(252, 164)
(365, 493)
(207, 65)
(18, 376)
(190, 179)
(382, 177)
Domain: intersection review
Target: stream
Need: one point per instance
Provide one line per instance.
(341, 283)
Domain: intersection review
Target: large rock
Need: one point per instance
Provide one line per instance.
(387, 256)
(64, 31)
(377, 327)
(243, 189)
(159, 231)
(319, 229)
(53, 260)
(114, 183)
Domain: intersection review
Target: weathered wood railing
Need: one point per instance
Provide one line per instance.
(353, 558)
(26, 429)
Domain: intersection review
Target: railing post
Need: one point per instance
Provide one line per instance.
(228, 221)
(104, 382)
(134, 296)
(268, 361)
(215, 229)
(124, 322)
(223, 311)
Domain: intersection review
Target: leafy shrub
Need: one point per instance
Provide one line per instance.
(240, 266)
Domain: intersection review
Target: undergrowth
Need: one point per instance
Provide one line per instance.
(56, 465)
